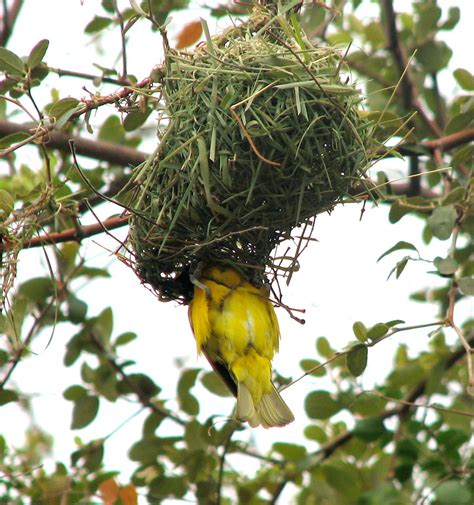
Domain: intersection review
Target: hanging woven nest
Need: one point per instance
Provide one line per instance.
(261, 135)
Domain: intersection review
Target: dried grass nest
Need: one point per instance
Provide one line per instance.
(261, 135)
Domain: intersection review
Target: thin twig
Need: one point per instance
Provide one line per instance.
(83, 75)
(122, 40)
(8, 20)
(338, 354)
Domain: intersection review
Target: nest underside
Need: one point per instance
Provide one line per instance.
(260, 137)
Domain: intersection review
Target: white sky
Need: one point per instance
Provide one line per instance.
(339, 282)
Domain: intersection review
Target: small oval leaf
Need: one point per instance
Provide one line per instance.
(464, 78)
(360, 331)
(6, 203)
(466, 285)
(441, 222)
(320, 405)
(62, 106)
(445, 266)
(397, 247)
(11, 63)
(356, 360)
(37, 53)
(84, 411)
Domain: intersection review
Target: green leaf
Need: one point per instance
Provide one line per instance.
(368, 404)
(141, 383)
(187, 380)
(464, 78)
(394, 322)
(377, 331)
(460, 122)
(212, 383)
(454, 196)
(323, 347)
(442, 221)
(466, 286)
(370, 429)
(290, 452)
(445, 266)
(103, 324)
(408, 450)
(166, 487)
(356, 360)
(320, 405)
(360, 331)
(92, 454)
(399, 267)
(429, 16)
(434, 55)
(11, 63)
(74, 348)
(91, 272)
(454, 15)
(310, 364)
(4, 355)
(7, 396)
(463, 154)
(147, 450)
(62, 106)
(38, 289)
(316, 433)
(13, 138)
(125, 338)
(344, 478)
(193, 436)
(112, 131)
(397, 247)
(97, 24)
(108, 5)
(453, 492)
(37, 54)
(135, 119)
(7, 203)
(397, 211)
(76, 309)
(84, 411)
(74, 393)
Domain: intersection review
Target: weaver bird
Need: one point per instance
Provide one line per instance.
(236, 328)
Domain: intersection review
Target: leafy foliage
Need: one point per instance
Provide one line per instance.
(404, 440)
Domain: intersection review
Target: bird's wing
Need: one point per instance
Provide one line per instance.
(222, 371)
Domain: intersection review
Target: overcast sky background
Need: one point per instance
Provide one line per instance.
(339, 282)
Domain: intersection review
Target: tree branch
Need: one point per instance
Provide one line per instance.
(76, 234)
(8, 20)
(103, 151)
(409, 90)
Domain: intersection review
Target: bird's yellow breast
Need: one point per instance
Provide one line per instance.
(229, 315)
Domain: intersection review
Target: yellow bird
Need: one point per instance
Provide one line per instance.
(236, 328)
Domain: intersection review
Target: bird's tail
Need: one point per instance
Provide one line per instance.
(269, 412)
